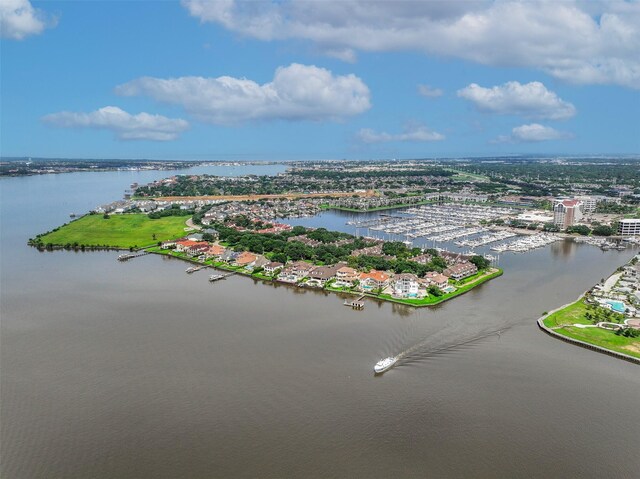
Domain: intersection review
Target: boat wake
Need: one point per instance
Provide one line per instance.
(420, 350)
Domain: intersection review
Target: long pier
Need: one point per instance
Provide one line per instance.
(128, 256)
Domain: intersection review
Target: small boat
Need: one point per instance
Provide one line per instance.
(72, 215)
(384, 364)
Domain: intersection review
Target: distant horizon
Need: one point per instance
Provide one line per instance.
(635, 156)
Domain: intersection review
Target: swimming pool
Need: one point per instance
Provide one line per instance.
(617, 306)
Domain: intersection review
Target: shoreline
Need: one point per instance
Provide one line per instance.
(577, 342)
(406, 302)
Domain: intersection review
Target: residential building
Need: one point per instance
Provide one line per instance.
(454, 258)
(461, 270)
(629, 227)
(373, 280)
(406, 284)
(229, 256)
(246, 259)
(272, 267)
(422, 259)
(322, 274)
(215, 251)
(294, 272)
(567, 212)
(436, 279)
(345, 276)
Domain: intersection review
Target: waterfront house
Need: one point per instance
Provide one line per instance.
(260, 262)
(272, 267)
(191, 248)
(295, 272)
(461, 270)
(183, 245)
(168, 244)
(345, 276)
(229, 256)
(374, 280)
(198, 249)
(436, 279)
(322, 274)
(406, 285)
(215, 251)
(245, 259)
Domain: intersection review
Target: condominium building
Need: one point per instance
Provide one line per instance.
(567, 212)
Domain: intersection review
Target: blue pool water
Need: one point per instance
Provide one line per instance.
(617, 306)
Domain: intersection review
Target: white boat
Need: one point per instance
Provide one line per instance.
(384, 365)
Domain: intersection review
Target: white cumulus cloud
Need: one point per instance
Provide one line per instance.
(142, 126)
(531, 100)
(415, 133)
(18, 19)
(533, 132)
(426, 90)
(577, 41)
(297, 92)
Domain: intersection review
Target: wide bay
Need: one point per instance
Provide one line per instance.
(136, 369)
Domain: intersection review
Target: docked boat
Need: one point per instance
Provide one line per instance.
(384, 364)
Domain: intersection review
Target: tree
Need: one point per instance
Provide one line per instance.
(480, 261)
(603, 230)
(580, 229)
(433, 290)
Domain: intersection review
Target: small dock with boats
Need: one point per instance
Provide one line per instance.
(217, 277)
(193, 269)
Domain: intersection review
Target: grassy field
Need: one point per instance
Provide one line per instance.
(119, 231)
(574, 314)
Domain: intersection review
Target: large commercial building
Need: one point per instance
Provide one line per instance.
(629, 227)
(567, 212)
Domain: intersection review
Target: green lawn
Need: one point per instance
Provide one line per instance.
(574, 314)
(119, 231)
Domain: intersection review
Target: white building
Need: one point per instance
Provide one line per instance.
(629, 227)
(589, 203)
(567, 212)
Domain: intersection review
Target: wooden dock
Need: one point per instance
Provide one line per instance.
(357, 303)
(218, 277)
(193, 269)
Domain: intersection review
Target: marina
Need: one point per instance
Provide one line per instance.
(527, 243)
(436, 223)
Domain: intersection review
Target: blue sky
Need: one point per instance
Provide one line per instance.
(310, 80)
